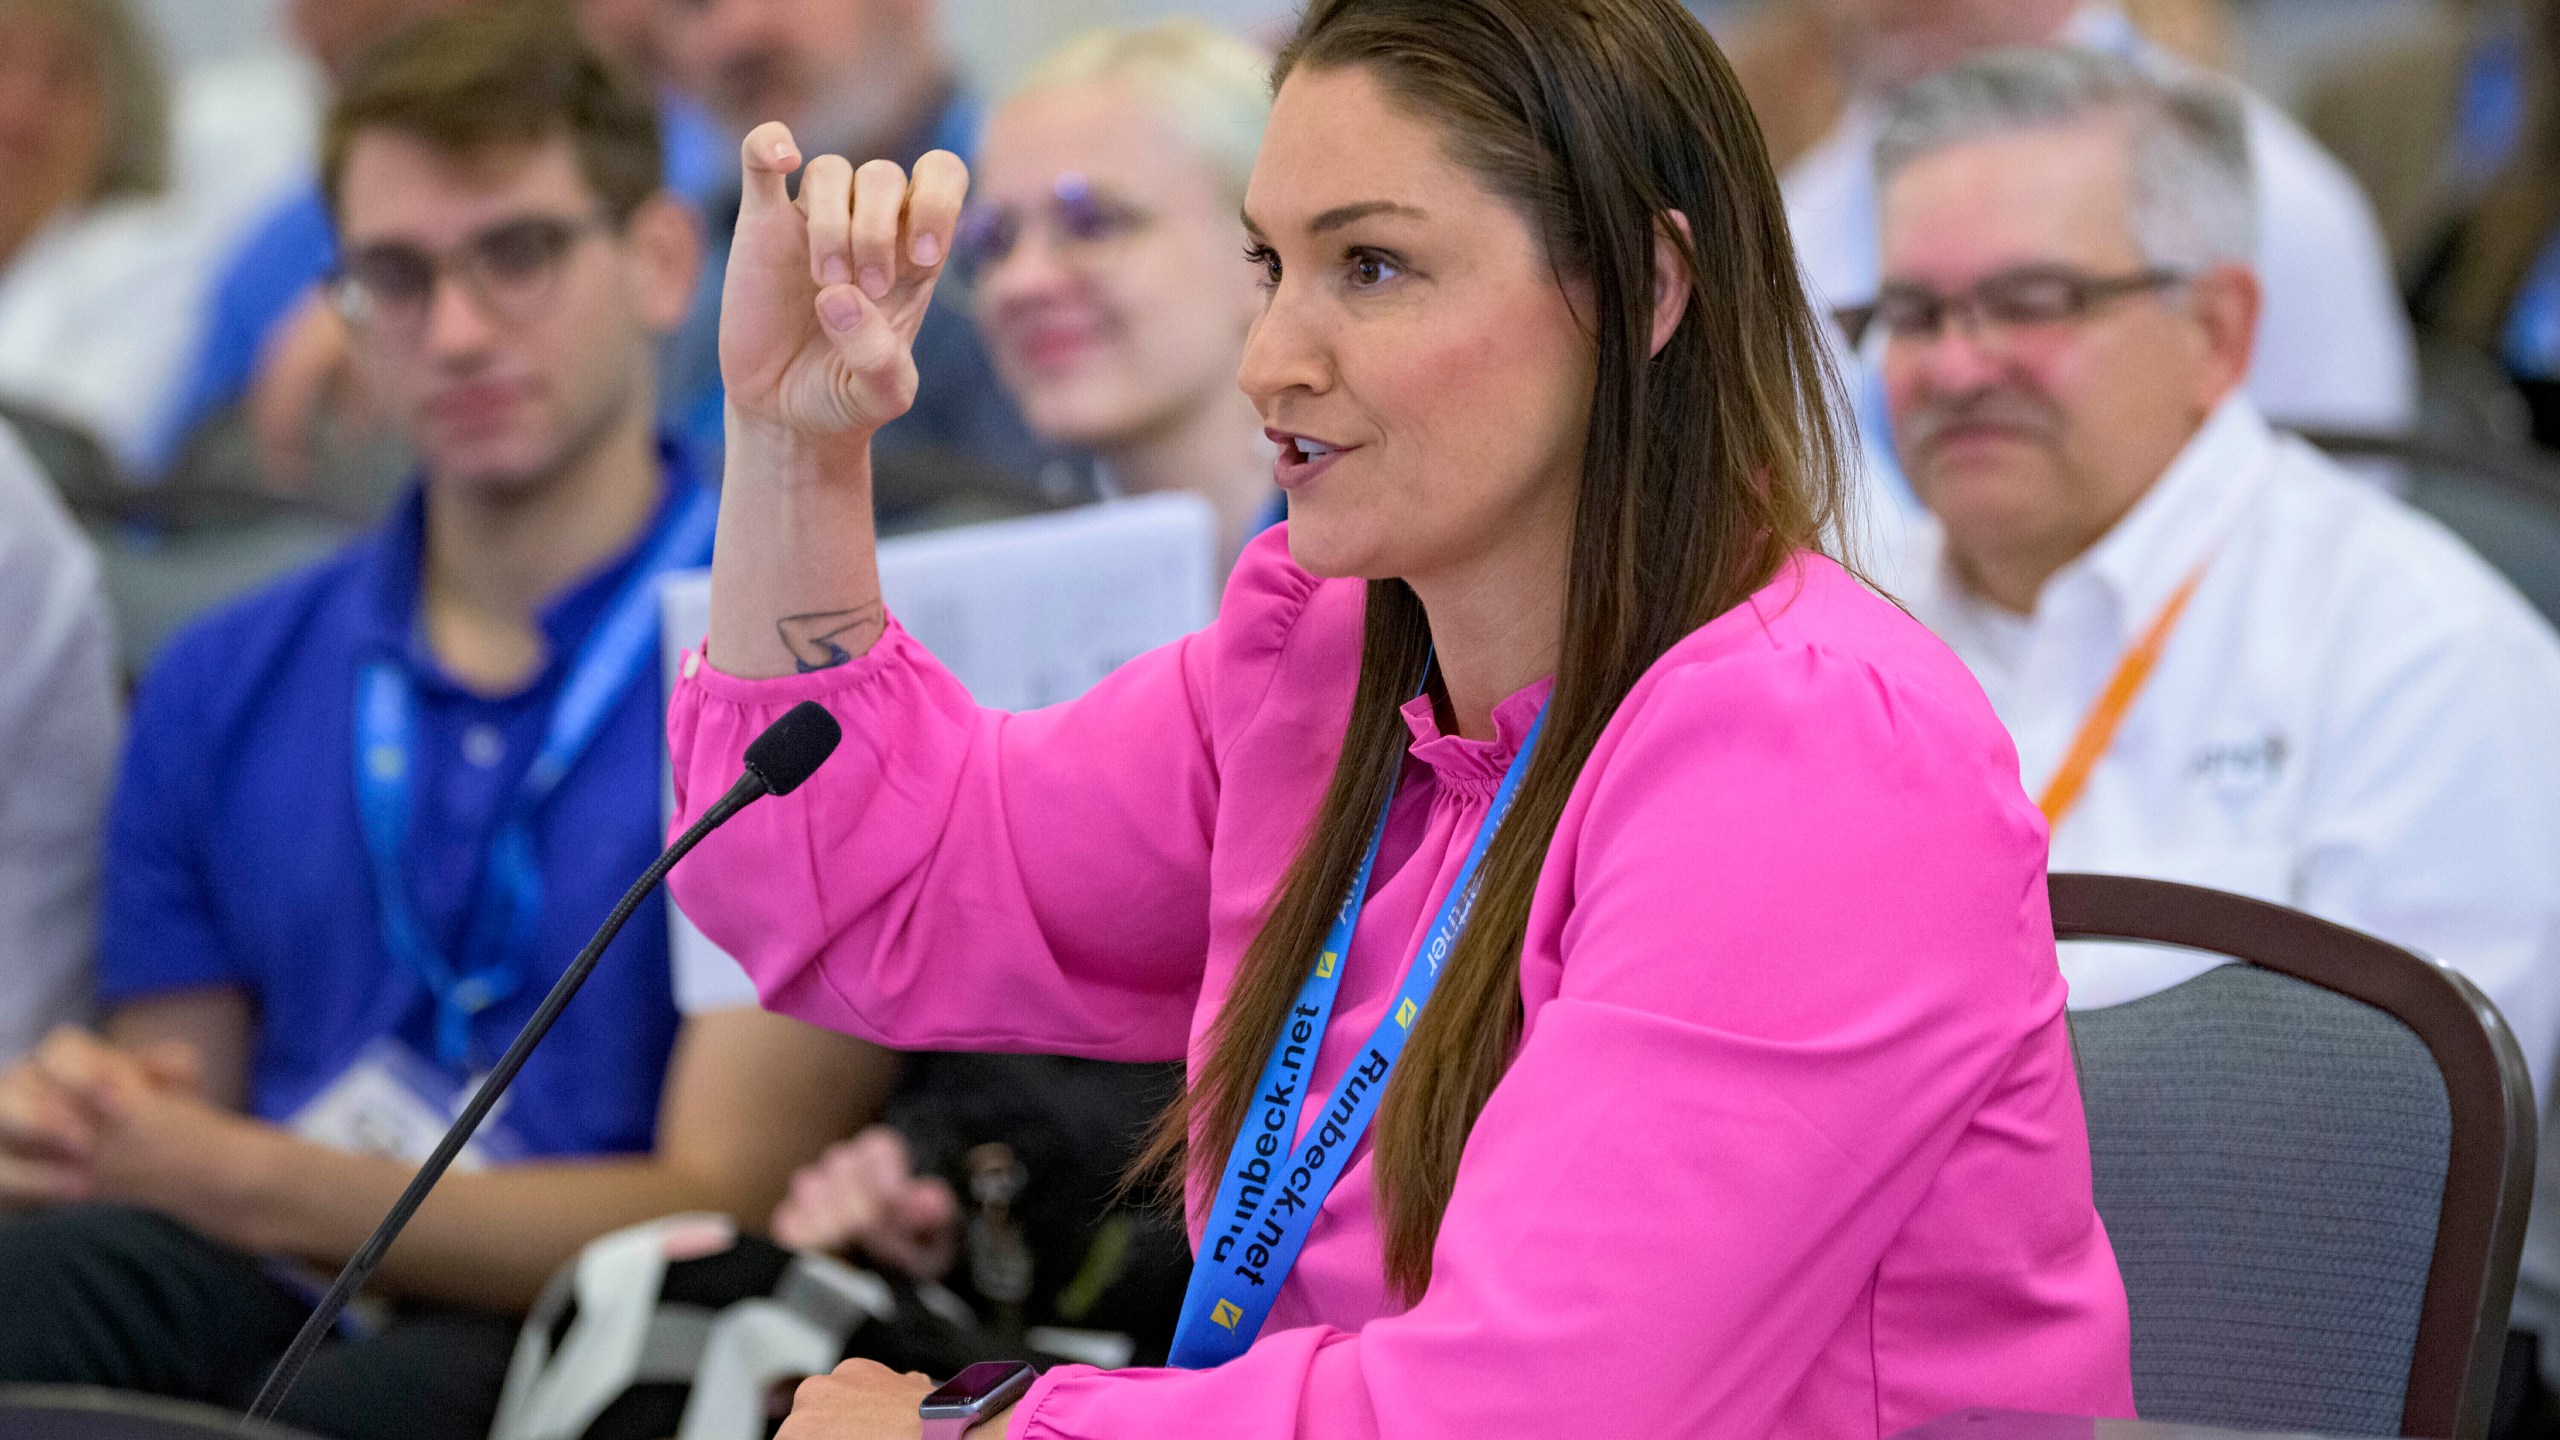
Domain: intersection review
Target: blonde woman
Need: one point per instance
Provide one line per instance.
(1102, 251)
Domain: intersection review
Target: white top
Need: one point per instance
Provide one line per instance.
(103, 309)
(2334, 346)
(59, 729)
(2355, 717)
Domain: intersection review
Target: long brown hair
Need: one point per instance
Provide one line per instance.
(1706, 467)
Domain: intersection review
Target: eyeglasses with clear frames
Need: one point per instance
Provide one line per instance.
(1081, 220)
(508, 270)
(2000, 307)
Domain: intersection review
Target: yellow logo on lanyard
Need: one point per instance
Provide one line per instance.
(1405, 1013)
(1226, 1314)
(1324, 965)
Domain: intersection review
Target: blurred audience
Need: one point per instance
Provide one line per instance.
(368, 815)
(58, 725)
(265, 308)
(2491, 282)
(97, 278)
(1103, 258)
(999, 1175)
(866, 79)
(1792, 67)
(2196, 31)
(2223, 660)
(273, 348)
(2426, 119)
(1783, 53)
(2334, 347)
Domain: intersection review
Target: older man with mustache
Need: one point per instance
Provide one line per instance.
(2222, 660)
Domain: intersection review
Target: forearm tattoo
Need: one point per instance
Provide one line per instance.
(829, 638)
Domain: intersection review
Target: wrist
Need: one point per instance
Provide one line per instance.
(768, 452)
(994, 1426)
(242, 1185)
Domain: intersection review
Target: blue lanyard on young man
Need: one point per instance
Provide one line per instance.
(507, 892)
(1266, 1199)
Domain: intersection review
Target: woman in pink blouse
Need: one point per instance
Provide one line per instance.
(1542, 793)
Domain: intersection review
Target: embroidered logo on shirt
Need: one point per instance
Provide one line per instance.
(2241, 771)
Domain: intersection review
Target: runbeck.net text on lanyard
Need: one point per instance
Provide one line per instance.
(504, 923)
(1266, 1201)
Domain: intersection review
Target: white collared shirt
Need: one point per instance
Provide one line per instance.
(2334, 347)
(2355, 717)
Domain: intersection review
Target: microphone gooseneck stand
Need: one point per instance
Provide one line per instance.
(776, 763)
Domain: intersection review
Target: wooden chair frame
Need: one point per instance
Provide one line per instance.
(2488, 1182)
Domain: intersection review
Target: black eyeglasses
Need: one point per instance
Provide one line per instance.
(2014, 301)
(1081, 220)
(507, 269)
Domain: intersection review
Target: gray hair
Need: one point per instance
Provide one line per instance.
(2194, 200)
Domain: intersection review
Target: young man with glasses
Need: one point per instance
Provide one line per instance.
(2223, 660)
(369, 814)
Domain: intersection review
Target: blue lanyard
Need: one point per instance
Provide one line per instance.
(507, 894)
(1267, 1201)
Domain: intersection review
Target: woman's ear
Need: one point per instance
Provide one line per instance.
(1672, 281)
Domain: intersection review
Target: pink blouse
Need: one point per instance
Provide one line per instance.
(1792, 1145)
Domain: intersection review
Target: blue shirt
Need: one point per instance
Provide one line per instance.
(235, 855)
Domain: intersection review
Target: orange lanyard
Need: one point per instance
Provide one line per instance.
(2098, 728)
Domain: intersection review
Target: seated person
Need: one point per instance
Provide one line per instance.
(1100, 252)
(369, 814)
(58, 724)
(273, 347)
(2492, 283)
(2223, 660)
(864, 77)
(2426, 115)
(2333, 348)
(101, 273)
(1000, 1176)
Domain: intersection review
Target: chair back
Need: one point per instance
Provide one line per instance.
(2314, 1167)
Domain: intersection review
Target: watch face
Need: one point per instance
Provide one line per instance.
(972, 1390)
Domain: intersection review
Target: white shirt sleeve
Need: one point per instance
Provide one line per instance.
(2334, 344)
(60, 728)
(2434, 818)
(705, 977)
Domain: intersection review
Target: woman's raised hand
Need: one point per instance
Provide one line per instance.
(819, 311)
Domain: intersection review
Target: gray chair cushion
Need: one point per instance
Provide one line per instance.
(2269, 1159)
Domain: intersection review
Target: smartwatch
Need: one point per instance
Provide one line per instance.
(982, 1390)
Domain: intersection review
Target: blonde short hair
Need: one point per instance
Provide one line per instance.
(1213, 87)
(134, 158)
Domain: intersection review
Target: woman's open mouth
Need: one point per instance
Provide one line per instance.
(1303, 458)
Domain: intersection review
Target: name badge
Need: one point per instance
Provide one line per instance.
(394, 1104)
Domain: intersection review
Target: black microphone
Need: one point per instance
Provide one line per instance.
(778, 760)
